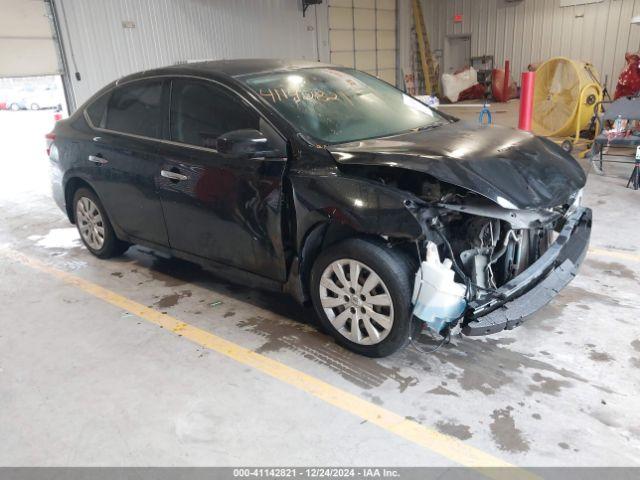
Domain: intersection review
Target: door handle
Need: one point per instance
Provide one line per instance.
(98, 159)
(173, 175)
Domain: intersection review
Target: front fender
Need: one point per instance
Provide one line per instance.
(360, 204)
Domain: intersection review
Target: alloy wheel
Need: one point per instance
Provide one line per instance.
(90, 223)
(356, 301)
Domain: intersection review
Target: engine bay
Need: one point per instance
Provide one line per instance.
(489, 252)
(488, 244)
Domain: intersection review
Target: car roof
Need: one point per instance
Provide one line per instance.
(231, 68)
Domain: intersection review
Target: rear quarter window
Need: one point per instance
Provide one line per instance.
(97, 110)
(135, 109)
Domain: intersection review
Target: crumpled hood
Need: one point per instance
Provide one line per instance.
(510, 167)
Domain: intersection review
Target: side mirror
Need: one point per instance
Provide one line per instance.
(245, 142)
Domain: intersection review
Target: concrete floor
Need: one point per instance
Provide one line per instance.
(85, 383)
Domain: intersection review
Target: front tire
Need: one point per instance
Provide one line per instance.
(361, 291)
(94, 226)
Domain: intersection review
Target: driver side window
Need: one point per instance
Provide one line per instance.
(201, 112)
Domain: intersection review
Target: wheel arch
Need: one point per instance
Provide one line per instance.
(329, 209)
(70, 188)
(318, 238)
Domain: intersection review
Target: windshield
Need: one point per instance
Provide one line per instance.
(341, 105)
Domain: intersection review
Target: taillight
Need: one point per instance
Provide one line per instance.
(49, 137)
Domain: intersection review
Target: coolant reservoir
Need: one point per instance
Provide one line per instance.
(438, 300)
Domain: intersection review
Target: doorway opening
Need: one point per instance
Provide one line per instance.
(29, 108)
(457, 53)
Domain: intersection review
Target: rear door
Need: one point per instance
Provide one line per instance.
(124, 159)
(221, 207)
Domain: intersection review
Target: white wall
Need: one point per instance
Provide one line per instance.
(168, 31)
(536, 30)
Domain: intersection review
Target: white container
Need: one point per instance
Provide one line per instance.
(438, 300)
(431, 100)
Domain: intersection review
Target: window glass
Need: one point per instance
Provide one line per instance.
(201, 112)
(342, 105)
(96, 111)
(135, 108)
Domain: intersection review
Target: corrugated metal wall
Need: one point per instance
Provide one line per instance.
(168, 31)
(535, 30)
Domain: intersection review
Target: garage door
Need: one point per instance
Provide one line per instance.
(362, 34)
(27, 44)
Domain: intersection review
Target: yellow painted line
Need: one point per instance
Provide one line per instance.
(604, 252)
(444, 445)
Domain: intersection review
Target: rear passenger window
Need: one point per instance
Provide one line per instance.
(96, 111)
(201, 112)
(135, 109)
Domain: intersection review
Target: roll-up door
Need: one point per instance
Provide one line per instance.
(362, 34)
(27, 43)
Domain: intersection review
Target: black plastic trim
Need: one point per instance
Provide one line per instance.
(537, 285)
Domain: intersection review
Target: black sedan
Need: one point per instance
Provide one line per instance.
(329, 184)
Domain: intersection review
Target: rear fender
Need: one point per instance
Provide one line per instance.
(74, 180)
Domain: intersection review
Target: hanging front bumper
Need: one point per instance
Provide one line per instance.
(525, 294)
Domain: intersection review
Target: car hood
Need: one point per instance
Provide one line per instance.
(510, 167)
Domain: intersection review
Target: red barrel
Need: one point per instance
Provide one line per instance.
(526, 100)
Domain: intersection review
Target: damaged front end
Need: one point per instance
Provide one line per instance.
(511, 261)
(503, 207)
(485, 267)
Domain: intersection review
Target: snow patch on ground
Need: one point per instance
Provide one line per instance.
(74, 264)
(58, 238)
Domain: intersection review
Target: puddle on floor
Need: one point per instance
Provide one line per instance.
(172, 299)
(486, 366)
(305, 340)
(454, 429)
(504, 432)
(611, 268)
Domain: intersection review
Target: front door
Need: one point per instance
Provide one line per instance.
(221, 207)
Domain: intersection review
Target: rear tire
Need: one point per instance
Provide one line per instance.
(94, 226)
(372, 315)
(14, 107)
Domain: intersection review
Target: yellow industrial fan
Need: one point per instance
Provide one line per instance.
(564, 97)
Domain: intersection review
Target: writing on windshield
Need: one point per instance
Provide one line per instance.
(341, 105)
